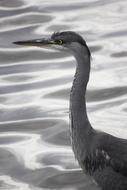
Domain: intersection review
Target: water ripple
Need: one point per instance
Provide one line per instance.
(35, 147)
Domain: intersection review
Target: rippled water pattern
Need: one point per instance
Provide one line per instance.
(35, 148)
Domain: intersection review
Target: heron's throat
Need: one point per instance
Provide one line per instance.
(78, 91)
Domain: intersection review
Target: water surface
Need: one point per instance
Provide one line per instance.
(35, 148)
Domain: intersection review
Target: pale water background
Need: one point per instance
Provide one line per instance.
(35, 148)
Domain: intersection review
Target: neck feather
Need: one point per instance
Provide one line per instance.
(78, 91)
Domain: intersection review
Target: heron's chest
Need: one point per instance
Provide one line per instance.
(78, 140)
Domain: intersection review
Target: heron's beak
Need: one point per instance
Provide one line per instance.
(44, 42)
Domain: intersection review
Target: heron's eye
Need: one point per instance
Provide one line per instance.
(59, 42)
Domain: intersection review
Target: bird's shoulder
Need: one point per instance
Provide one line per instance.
(113, 152)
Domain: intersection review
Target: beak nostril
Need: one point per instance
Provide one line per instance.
(52, 42)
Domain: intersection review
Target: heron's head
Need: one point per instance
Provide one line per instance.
(66, 40)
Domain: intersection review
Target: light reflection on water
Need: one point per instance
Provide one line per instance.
(35, 148)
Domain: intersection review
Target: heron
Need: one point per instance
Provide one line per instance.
(102, 156)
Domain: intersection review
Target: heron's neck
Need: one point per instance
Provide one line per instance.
(77, 98)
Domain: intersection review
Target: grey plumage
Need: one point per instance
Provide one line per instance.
(101, 155)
